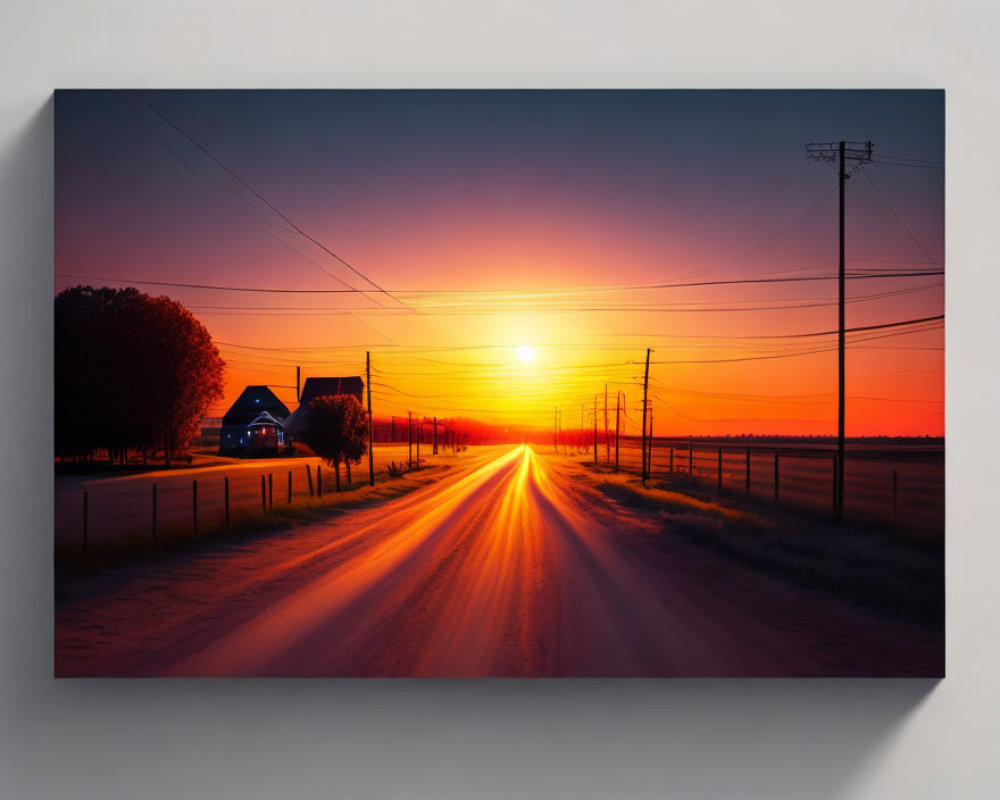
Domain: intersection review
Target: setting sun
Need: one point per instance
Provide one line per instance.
(526, 354)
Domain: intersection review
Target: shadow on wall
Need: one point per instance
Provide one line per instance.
(552, 738)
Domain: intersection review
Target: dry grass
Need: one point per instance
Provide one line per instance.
(866, 563)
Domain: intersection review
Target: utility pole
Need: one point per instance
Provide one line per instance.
(371, 421)
(607, 441)
(435, 435)
(409, 439)
(618, 420)
(858, 153)
(595, 428)
(645, 403)
(298, 383)
(555, 429)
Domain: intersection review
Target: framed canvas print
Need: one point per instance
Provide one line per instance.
(499, 383)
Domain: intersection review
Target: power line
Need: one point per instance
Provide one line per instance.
(542, 292)
(292, 225)
(899, 219)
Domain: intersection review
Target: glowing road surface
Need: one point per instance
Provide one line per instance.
(503, 567)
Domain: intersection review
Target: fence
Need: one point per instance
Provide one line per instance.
(901, 484)
(150, 506)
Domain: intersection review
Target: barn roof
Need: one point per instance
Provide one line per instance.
(319, 387)
(253, 401)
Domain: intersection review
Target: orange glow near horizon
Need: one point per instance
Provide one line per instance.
(523, 243)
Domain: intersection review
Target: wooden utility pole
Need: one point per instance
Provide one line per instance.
(298, 384)
(409, 439)
(618, 420)
(595, 428)
(858, 153)
(607, 441)
(645, 402)
(371, 421)
(435, 435)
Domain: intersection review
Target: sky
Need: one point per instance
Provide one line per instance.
(503, 254)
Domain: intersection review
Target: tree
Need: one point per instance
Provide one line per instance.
(131, 371)
(336, 429)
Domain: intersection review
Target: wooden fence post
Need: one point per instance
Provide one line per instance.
(309, 478)
(720, 470)
(319, 480)
(834, 485)
(775, 474)
(194, 506)
(895, 493)
(86, 522)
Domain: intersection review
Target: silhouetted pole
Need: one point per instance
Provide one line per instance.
(435, 436)
(841, 345)
(859, 153)
(649, 456)
(409, 439)
(555, 429)
(298, 384)
(371, 421)
(595, 428)
(645, 400)
(618, 419)
(607, 441)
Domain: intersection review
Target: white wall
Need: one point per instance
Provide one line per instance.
(484, 739)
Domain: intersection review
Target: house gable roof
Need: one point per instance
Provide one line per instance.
(253, 401)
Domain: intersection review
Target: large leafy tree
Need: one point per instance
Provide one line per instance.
(131, 372)
(336, 429)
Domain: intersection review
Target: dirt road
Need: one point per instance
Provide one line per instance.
(503, 567)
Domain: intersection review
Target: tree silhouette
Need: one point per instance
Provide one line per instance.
(336, 429)
(131, 372)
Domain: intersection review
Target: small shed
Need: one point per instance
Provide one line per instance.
(255, 424)
(321, 387)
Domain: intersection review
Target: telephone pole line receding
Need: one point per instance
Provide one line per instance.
(371, 421)
(842, 152)
(645, 403)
